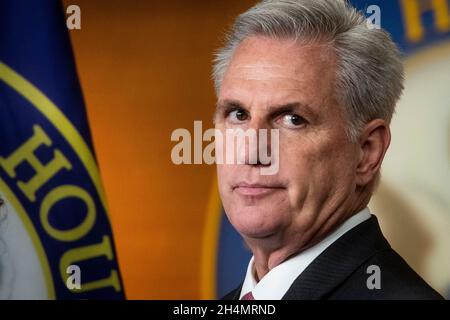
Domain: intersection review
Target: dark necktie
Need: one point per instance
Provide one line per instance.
(248, 296)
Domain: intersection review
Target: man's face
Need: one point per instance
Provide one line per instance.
(284, 85)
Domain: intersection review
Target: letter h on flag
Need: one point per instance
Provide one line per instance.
(55, 237)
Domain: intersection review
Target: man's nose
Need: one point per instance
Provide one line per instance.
(258, 143)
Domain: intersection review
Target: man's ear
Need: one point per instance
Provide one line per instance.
(373, 142)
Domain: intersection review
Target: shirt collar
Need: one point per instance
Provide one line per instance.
(277, 281)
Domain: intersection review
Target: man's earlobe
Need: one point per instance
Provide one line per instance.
(374, 142)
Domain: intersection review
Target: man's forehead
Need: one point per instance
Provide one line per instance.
(281, 62)
(264, 90)
(261, 70)
(280, 53)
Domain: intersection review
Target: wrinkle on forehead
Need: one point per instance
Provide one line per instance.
(264, 58)
(259, 71)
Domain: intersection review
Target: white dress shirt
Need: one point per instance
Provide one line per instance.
(275, 284)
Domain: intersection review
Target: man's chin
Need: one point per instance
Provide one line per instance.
(257, 225)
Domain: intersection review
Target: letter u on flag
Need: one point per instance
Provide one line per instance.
(55, 237)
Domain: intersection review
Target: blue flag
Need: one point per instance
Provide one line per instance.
(55, 236)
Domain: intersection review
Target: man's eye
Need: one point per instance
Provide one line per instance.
(293, 120)
(238, 115)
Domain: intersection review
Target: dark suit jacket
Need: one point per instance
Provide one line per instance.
(340, 272)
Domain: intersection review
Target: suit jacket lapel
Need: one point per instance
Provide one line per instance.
(338, 261)
(233, 295)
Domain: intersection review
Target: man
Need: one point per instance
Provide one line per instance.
(328, 82)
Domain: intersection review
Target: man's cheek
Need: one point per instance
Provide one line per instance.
(222, 178)
(295, 160)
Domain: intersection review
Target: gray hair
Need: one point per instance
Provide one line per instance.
(370, 75)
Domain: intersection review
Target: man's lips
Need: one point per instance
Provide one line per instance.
(256, 189)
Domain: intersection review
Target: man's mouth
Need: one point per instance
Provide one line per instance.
(256, 189)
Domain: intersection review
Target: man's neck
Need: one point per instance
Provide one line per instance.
(271, 252)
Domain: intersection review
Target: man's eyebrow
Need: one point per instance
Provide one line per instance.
(294, 107)
(227, 103)
(288, 107)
